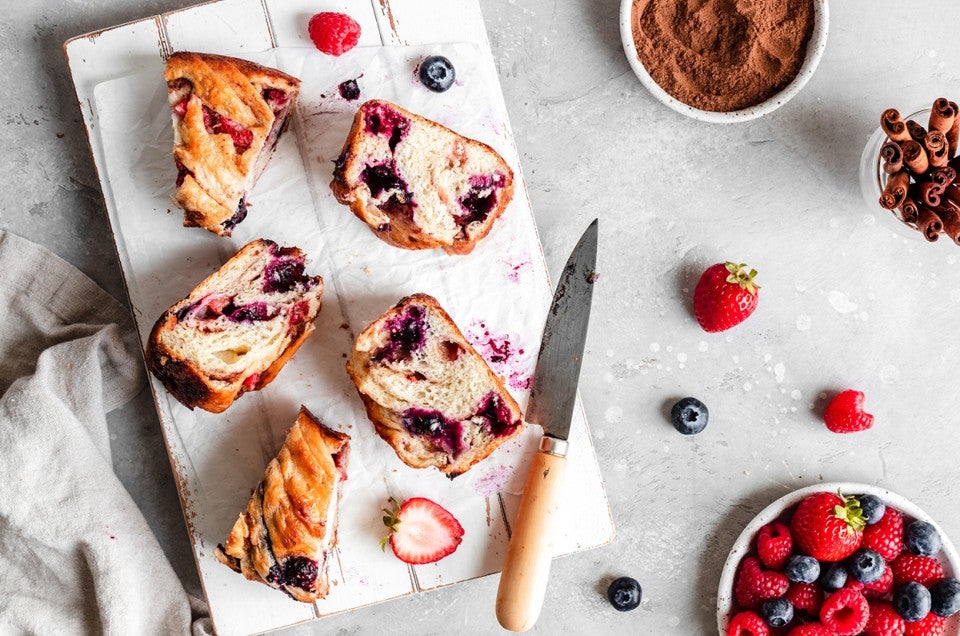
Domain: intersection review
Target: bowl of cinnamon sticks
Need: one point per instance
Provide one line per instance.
(911, 169)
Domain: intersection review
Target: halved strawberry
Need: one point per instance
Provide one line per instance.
(421, 531)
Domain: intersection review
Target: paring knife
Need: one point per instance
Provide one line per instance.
(527, 566)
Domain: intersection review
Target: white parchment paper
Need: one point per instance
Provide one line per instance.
(498, 295)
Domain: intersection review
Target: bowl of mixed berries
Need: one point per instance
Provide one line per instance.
(840, 559)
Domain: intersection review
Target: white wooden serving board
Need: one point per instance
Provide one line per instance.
(499, 294)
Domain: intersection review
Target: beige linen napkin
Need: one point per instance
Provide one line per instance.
(76, 555)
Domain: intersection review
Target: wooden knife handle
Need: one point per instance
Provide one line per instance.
(527, 566)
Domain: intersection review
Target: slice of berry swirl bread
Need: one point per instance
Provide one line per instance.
(427, 391)
(227, 118)
(417, 184)
(285, 536)
(237, 328)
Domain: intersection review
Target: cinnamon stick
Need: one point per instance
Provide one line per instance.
(942, 115)
(949, 215)
(936, 144)
(929, 223)
(915, 157)
(928, 193)
(908, 211)
(951, 193)
(892, 157)
(954, 133)
(916, 131)
(895, 191)
(892, 124)
(943, 176)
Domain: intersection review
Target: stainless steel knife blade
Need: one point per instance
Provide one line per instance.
(554, 387)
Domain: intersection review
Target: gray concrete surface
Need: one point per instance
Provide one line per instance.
(845, 302)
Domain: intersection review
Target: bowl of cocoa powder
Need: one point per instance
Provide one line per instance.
(724, 61)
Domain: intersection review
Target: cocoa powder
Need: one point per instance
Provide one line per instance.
(722, 55)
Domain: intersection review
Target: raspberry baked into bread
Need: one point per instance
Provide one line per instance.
(237, 328)
(417, 184)
(227, 118)
(286, 534)
(428, 393)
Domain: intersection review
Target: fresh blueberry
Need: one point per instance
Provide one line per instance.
(945, 598)
(437, 73)
(912, 601)
(777, 612)
(866, 565)
(689, 416)
(873, 508)
(624, 594)
(802, 569)
(922, 538)
(833, 577)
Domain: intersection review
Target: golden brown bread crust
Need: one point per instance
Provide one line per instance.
(387, 422)
(185, 380)
(218, 174)
(404, 233)
(286, 518)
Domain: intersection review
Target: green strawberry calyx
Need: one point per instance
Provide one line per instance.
(739, 275)
(851, 513)
(391, 519)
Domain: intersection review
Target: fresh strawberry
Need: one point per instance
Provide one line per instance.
(333, 33)
(747, 624)
(884, 621)
(882, 586)
(725, 296)
(845, 413)
(421, 531)
(828, 527)
(774, 545)
(811, 629)
(805, 596)
(845, 612)
(886, 535)
(910, 567)
(753, 585)
(929, 625)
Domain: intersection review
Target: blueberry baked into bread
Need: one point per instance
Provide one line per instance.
(427, 391)
(237, 328)
(417, 184)
(227, 118)
(286, 534)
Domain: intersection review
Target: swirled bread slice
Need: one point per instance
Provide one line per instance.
(286, 534)
(417, 184)
(427, 391)
(237, 328)
(227, 118)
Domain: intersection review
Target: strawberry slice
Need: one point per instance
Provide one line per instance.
(421, 531)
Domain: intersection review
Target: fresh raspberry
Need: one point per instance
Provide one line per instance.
(753, 585)
(774, 545)
(886, 535)
(334, 33)
(884, 621)
(882, 586)
(853, 584)
(845, 413)
(929, 625)
(805, 596)
(845, 612)
(810, 629)
(747, 624)
(910, 567)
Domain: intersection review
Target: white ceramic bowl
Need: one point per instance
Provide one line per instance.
(948, 556)
(815, 47)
